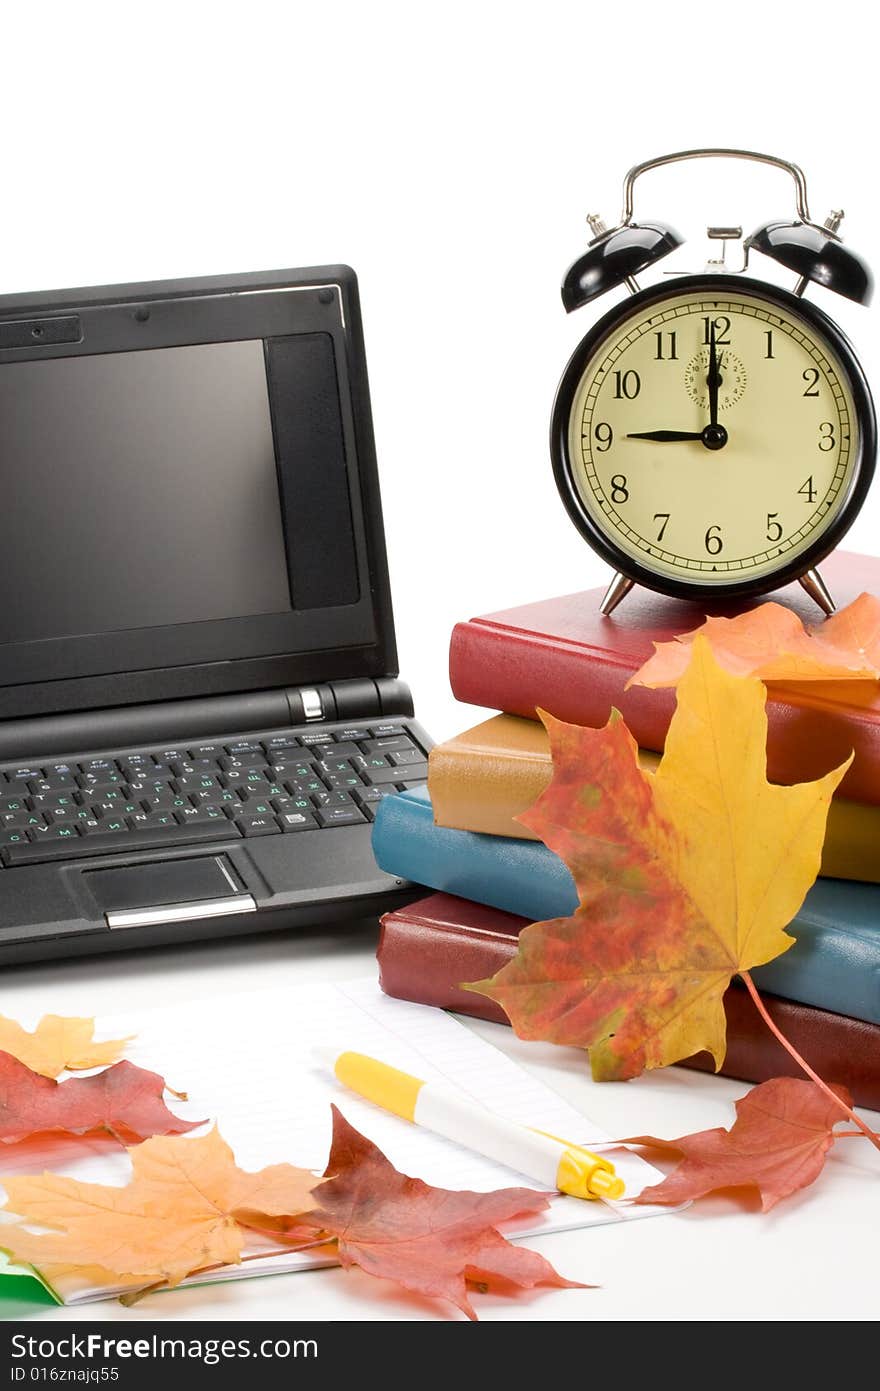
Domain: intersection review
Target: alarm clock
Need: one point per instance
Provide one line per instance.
(714, 435)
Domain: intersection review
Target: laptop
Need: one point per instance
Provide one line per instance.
(200, 705)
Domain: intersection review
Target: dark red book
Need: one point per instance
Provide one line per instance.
(427, 949)
(563, 655)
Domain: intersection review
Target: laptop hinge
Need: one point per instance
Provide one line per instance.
(360, 699)
(172, 720)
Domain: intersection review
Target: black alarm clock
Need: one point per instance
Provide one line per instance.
(714, 435)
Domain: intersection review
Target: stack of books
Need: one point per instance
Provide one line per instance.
(460, 835)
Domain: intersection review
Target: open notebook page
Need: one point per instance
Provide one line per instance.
(246, 1061)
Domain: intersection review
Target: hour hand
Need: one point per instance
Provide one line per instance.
(666, 436)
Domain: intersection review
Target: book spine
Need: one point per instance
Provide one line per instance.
(518, 672)
(427, 963)
(478, 790)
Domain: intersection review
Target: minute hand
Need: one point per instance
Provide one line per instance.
(666, 436)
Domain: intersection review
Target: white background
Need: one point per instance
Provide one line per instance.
(450, 153)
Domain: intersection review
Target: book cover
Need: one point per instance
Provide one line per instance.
(482, 779)
(562, 654)
(836, 964)
(427, 949)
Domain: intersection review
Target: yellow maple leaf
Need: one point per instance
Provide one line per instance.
(684, 877)
(186, 1207)
(58, 1043)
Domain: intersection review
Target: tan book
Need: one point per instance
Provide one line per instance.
(482, 779)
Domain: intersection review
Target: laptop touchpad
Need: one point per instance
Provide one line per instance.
(178, 890)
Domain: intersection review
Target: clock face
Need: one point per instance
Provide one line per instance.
(750, 496)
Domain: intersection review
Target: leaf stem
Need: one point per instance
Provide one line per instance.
(790, 1048)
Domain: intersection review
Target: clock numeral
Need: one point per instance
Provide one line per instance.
(604, 437)
(619, 490)
(660, 356)
(774, 528)
(722, 329)
(807, 491)
(768, 334)
(712, 540)
(627, 384)
(827, 438)
(662, 517)
(811, 377)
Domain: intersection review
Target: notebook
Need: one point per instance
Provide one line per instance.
(246, 1061)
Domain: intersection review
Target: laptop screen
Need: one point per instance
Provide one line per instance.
(189, 494)
(144, 492)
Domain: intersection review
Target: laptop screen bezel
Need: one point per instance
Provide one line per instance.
(234, 654)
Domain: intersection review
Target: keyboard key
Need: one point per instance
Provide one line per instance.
(196, 783)
(212, 751)
(338, 750)
(372, 760)
(12, 804)
(53, 833)
(386, 731)
(99, 765)
(403, 757)
(109, 843)
(366, 795)
(242, 747)
(333, 799)
(297, 821)
(388, 743)
(335, 781)
(23, 774)
(108, 826)
(258, 825)
(340, 816)
(13, 837)
(335, 765)
(317, 737)
(353, 734)
(375, 777)
(279, 742)
(419, 782)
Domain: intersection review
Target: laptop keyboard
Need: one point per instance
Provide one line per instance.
(266, 784)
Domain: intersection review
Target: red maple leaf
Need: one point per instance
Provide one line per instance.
(777, 1144)
(430, 1240)
(124, 1100)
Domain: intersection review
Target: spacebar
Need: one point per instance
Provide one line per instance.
(112, 842)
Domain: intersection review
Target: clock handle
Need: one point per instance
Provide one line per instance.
(794, 170)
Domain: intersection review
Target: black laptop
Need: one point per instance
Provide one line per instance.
(199, 697)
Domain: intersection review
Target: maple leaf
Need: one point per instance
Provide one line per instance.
(186, 1207)
(58, 1043)
(123, 1099)
(772, 643)
(685, 877)
(430, 1240)
(783, 1130)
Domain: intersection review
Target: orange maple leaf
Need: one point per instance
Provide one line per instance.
(685, 877)
(430, 1240)
(58, 1043)
(783, 1130)
(186, 1207)
(772, 643)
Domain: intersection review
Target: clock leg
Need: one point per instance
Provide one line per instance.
(617, 590)
(815, 586)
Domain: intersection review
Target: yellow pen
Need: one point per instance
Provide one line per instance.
(554, 1163)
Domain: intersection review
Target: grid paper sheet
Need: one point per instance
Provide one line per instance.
(246, 1061)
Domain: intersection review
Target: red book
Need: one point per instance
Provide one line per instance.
(565, 656)
(427, 949)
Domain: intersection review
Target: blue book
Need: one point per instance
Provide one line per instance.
(835, 965)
